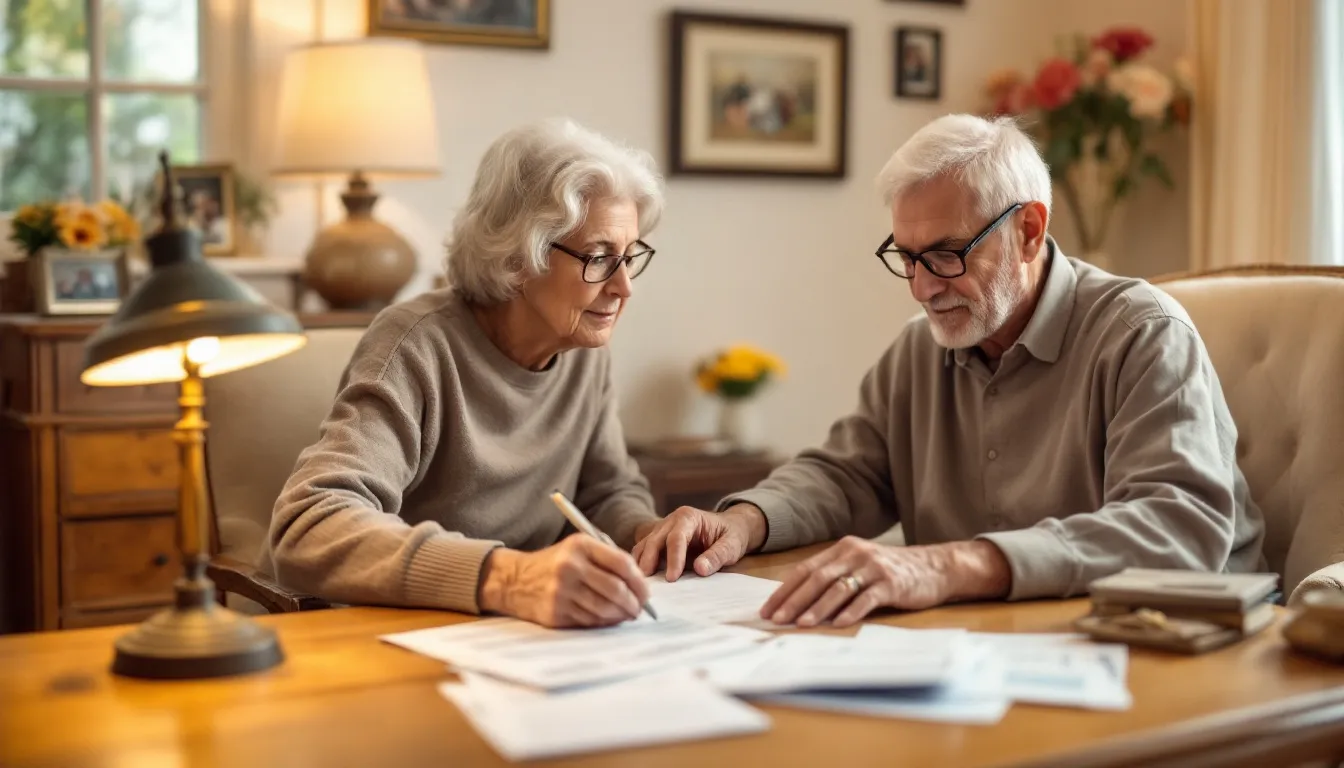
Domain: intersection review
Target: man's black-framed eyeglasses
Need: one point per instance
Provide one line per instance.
(600, 268)
(946, 263)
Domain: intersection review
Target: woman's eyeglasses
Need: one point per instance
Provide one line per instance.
(600, 268)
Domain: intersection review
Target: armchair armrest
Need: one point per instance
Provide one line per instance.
(1328, 579)
(239, 578)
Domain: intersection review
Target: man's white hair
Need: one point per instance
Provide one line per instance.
(994, 159)
(533, 187)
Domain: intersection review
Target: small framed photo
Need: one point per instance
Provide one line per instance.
(919, 63)
(210, 205)
(509, 23)
(757, 96)
(80, 282)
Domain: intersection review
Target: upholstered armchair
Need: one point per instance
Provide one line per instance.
(1276, 337)
(261, 418)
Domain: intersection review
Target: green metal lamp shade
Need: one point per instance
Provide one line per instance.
(176, 304)
(182, 300)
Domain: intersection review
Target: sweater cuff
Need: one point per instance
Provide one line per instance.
(445, 573)
(1042, 563)
(780, 531)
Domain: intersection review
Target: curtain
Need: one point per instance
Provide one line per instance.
(1258, 132)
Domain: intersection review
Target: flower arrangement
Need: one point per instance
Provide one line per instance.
(737, 372)
(73, 225)
(1097, 108)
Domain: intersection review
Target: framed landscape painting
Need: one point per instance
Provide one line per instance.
(755, 96)
(518, 23)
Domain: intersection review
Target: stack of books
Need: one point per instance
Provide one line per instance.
(1185, 611)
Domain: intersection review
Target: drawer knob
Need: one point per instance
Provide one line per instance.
(160, 560)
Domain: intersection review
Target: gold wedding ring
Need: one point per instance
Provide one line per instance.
(852, 583)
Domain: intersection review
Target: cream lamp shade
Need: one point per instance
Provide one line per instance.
(357, 105)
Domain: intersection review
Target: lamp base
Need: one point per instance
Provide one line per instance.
(197, 638)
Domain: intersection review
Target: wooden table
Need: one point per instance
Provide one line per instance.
(343, 698)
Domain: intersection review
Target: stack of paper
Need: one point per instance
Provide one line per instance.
(523, 724)
(673, 679)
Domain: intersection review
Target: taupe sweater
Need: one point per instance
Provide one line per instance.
(1101, 441)
(439, 448)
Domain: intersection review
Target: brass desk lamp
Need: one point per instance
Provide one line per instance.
(187, 321)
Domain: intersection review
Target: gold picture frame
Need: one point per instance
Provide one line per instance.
(210, 205)
(526, 24)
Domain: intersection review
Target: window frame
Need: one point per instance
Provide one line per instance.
(219, 53)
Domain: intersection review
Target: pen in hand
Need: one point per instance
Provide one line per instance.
(582, 524)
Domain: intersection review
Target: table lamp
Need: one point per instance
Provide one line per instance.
(357, 107)
(185, 321)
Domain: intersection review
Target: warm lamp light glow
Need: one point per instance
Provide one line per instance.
(203, 350)
(160, 364)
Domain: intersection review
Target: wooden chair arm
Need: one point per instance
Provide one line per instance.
(245, 580)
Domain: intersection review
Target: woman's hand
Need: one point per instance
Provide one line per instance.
(719, 538)
(580, 582)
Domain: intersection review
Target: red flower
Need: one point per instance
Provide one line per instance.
(1124, 43)
(1056, 83)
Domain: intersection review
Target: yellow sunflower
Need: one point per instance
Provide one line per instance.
(82, 235)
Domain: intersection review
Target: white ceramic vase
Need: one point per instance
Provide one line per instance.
(740, 422)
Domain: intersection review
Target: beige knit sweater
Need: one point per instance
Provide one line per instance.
(439, 448)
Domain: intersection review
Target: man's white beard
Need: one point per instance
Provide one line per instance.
(986, 317)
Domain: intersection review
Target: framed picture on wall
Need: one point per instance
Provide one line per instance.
(754, 96)
(919, 63)
(210, 205)
(516, 23)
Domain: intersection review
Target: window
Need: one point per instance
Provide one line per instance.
(92, 90)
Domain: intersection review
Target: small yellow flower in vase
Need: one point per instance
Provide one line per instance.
(735, 375)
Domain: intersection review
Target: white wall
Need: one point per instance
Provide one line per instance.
(785, 264)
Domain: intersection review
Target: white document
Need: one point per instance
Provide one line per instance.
(829, 663)
(559, 658)
(523, 724)
(1062, 670)
(1053, 669)
(723, 598)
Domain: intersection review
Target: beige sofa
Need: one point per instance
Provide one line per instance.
(1276, 337)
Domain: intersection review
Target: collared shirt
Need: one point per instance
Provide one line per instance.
(1101, 440)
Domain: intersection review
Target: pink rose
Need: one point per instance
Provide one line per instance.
(1124, 43)
(1056, 82)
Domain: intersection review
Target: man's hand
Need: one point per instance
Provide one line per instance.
(855, 576)
(719, 538)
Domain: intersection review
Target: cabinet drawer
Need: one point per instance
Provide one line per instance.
(118, 471)
(121, 563)
(74, 397)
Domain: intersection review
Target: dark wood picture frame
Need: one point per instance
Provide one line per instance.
(686, 148)
(911, 84)
(538, 36)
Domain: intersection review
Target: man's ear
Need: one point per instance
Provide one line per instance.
(1034, 221)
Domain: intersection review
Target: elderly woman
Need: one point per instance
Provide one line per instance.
(462, 409)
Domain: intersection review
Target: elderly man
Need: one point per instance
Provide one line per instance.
(1044, 424)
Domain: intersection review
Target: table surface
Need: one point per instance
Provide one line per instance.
(342, 697)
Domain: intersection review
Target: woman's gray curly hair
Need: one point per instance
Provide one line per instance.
(533, 187)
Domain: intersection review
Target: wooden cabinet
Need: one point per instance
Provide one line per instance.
(700, 481)
(88, 482)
